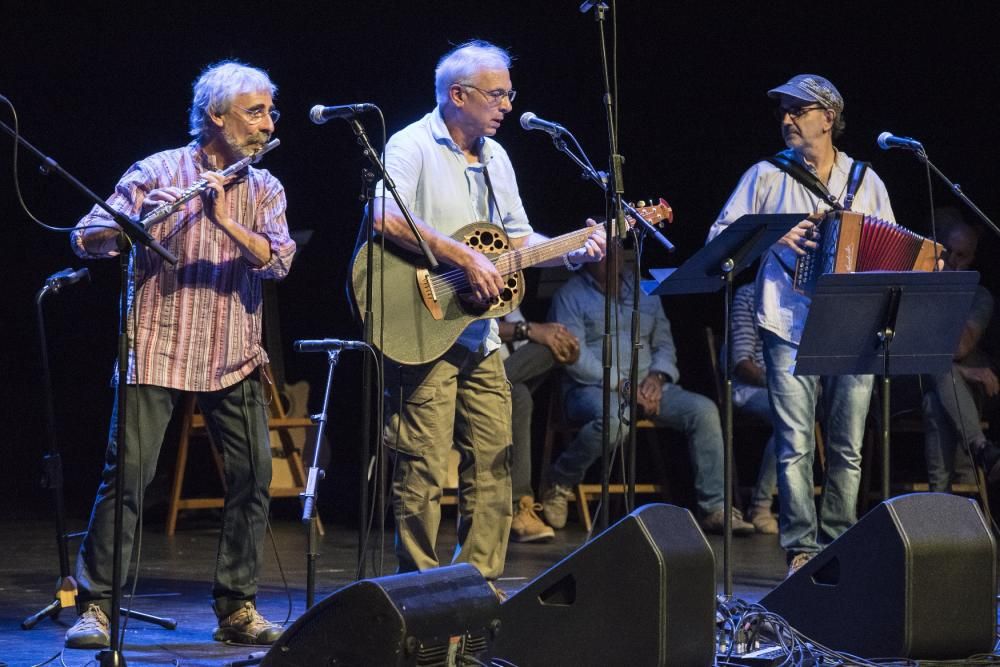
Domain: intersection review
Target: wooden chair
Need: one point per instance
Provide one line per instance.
(558, 428)
(288, 480)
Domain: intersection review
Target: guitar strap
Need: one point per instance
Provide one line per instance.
(494, 206)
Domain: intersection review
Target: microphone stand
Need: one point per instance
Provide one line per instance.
(52, 476)
(315, 474)
(366, 409)
(957, 190)
(132, 235)
(601, 180)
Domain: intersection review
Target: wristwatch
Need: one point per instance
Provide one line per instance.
(664, 378)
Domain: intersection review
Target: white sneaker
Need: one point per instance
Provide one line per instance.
(555, 505)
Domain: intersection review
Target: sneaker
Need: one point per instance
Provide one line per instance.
(527, 526)
(91, 630)
(246, 626)
(987, 456)
(764, 521)
(798, 560)
(555, 505)
(714, 523)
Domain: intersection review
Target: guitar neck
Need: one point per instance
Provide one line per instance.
(524, 258)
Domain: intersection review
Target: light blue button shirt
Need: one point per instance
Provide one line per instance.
(765, 188)
(442, 188)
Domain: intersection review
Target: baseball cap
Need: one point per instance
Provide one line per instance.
(811, 88)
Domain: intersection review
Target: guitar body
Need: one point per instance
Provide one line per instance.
(417, 314)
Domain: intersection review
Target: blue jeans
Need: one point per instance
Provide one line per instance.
(692, 414)
(759, 406)
(793, 405)
(237, 420)
(951, 417)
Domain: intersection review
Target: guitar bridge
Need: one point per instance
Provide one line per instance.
(428, 295)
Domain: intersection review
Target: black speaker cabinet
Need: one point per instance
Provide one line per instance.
(445, 616)
(640, 593)
(914, 578)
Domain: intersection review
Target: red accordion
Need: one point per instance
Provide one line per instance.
(852, 242)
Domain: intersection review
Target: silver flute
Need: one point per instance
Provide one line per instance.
(169, 208)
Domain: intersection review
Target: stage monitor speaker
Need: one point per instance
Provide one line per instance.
(914, 578)
(640, 593)
(441, 617)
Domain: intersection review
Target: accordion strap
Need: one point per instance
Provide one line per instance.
(858, 171)
(806, 178)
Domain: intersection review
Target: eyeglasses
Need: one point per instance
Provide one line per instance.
(256, 115)
(493, 96)
(794, 112)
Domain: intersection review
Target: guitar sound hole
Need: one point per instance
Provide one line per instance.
(498, 244)
(512, 282)
(506, 295)
(486, 238)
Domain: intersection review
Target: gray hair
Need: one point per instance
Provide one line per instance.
(464, 61)
(216, 87)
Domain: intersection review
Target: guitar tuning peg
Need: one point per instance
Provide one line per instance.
(641, 203)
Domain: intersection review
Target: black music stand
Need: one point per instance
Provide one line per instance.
(860, 322)
(711, 268)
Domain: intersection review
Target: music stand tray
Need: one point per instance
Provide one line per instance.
(737, 247)
(849, 311)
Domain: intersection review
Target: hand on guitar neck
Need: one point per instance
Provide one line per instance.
(421, 313)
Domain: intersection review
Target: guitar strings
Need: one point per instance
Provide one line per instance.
(451, 281)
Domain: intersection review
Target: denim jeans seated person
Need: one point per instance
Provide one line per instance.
(579, 306)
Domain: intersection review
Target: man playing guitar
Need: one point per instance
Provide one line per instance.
(450, 173)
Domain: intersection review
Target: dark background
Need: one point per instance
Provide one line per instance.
(99, 86)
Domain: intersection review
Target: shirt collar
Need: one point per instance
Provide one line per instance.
(841, 162)
(442, 136)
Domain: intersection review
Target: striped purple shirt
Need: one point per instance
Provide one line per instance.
(196, 326)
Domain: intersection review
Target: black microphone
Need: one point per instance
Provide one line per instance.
(327, 344)
(530, 121)
(319, 114)
(888, 140)
(60, 279)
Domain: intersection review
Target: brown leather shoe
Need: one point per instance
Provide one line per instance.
(527, 526)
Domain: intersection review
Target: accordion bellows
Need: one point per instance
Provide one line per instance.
(852, 242)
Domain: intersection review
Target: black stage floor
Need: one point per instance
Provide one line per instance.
(176, 575)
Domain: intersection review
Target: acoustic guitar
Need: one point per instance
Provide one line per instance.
(420, 313)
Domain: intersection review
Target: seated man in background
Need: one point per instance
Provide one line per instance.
(750, 397)
(530, 351)
(579, 305)
(951, 402)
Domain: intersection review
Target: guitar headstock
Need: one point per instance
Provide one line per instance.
(656, 214)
